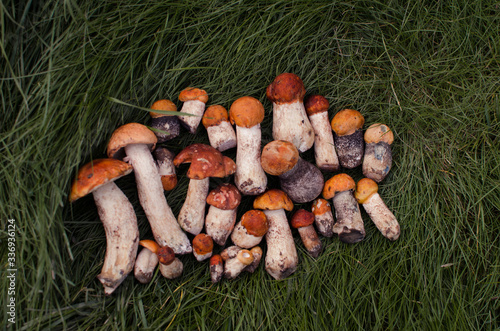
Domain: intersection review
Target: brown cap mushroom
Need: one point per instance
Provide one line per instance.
(168, 126)
(235, 266)
(246, 112)
(303, 221)
(278, 157)
(323, 217)
(286, 88)
(193, 93)
(273, 199)
(220, 132)
(216, 268)
(130, 134)
(338, 183)
(225, 196)
(203, 246)
(164, 158)
(377, 161)
(194, 103)
(250, 230)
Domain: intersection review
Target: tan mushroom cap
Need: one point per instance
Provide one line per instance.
(278, 157)
(203, 244)
(273, 199)
(316, 104)
(320, 206)
(206, 161)
(97, 173)
(246, 112)
(365, 189)
(226, 196)
(347, 121)
(166, 255)
(338, 183)
(255, 222)
(245, 256)
(193, 93)
(128, 134)
(150, 244)
(214, 115)
(379, 133)
(302, 218)
(286, 88)
(163, 104)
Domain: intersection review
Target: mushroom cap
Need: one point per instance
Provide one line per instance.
(379, 133)
(229, 165)
(320, 206)
(131, 133)
(150, 244)
(216, 260)
(214, 115)
(255, 222)
(203, 244)
(365, 189)
(97, 173)
(286, 88)
(246, 112)
(278, 157)
(226, 196)
(338, 183)
(166, 255)
(347, 121)
(245, 256)
(302, 218)
(316, 104)
(193, 93)
(163, 104)
(206, 161)
(273, 199)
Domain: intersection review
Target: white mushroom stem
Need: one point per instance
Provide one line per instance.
(166, 167)
(122, 235)
(166, 230)
(172, 270)
(145, 265)
(290, 123)
(222, 136)
(242, 238)
(324, 146)
(349, 226)
(310, 240)
(383, 218)
(250, 178)
(281, 257)
(324, 223)
(194, 107)
(192, 215)
(219, 224)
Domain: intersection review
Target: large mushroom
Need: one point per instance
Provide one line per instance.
(323, 217)
(378, 155)
(166, 126)
(247, 113)
(250, 229)
(135, 141)
(194, 103)
(117, 216)
(347, 126)
(166, 169)
(220, 132)
(301, 180)
(281, 257)
(290, 120)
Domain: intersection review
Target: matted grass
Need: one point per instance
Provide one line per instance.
(428, 69)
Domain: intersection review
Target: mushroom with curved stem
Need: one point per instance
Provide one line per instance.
(303, 221)
(301, 180)
(170, 266)
(378, 155)
(281, 257)
(290, 121)
(145, 265)
(347, 126)
(117, 216)
(216, 268)
(324, 146)
(135, 141)
(202, 247)
(165, 161)
(367, 195)
(323, 217)
(220, 132)
(247, 113)
(250, 229)
(166, 126)
(349, 225)
(194, 103)
(234, 266)
(257, 256)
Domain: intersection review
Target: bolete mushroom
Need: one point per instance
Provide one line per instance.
(347, 126)
(323, 217)
(194, 103)
(216, 268)
(136, 142)
(367, 195)
(220, 132)
(234, 266)
(250, 229)
(247, 113)
(167, 126)
(378, 155)
(165, 161)
(303, 221)
(170, 266)
(203, 246)
(117, 216)
(145, 265)
(299, 179)
(257, 257)
(290, 120)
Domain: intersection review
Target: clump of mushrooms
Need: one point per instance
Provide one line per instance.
(378, 155)
(194, 103)
(166, 126)
(220, 132)
(347, 126)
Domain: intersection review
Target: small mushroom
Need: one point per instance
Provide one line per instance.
(324, 146)
(349, 225)
(367, 195)
(170, 266)
(165, 161)
(220, 132)
(281, 257)
(378, 155)
(117, 216)
(234, 266)
(290, 120)
(230, 252)
(323, 217)
(250, 229)
(257, 257)
(145, 265)
(216, 268)
(301, 180)
(347, 126)
(194, 103)
(247, 113)
(203, 246)
(167, 126)
(303, 221)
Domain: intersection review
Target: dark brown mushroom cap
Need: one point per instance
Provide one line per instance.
(338, 183)
(226, 196)
(163, 104)
(255, 222)
(378, 133)
(286, 88)
(302, 218)
(246, 112)
(316, 104)
(347, 121)
(278, 157)
(273, 199)
(203, 244)
(128, 134)
(320, 206)
(192, 93)
(97, 173)
(166, 255)
(365, 188)
(214, 115)
(205, 160)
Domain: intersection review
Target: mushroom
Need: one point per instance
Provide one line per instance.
(367, 195)
(323, 217)
(230, 252)
(202, 247)
(281, 257)
(250, 229)
(194, 103)
(206, 162)
(347, 126)
(349, 225)
(221, 216)
(216, 268)
(136, 142)
(234, 266)
(166, 169)
(247, 113)
(303, 221)
(257, 256)
(290, 120)
(301, 180)
(324, 146)
(220, 132)
(117, 216)
(166, 126)
(145, 265)
(378, 155)
(170, 266)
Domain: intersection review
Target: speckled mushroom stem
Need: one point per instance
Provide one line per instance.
(303, 183)
(323, 217)
(377, 161)
(310, 240)
(219, 224)
(349, 225)
(222, 136)
(324, 146)
(383, 218)
(350, 149)
(145, 265)
(290, 123)
(192, 214)
(257, 257)
(194, 107)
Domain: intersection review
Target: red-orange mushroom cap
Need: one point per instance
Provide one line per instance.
(316, 104)
(193, 93)
(163, 104)
(255, 222)
(246, 112)
(206, 161)
(320, 206)
(365, 188)
(128, 134)
(378, 133)
(203, 244)
(214, 115)
(216, 260)
(166, 255)
(338, 183)
(347, 121)
(278, 157)
(225, 196)
(302, 218)
(273, 199)
(286, 88)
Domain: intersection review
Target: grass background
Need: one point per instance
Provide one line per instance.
(428, 69)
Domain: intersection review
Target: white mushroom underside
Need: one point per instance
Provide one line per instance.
(290, 123)
(222, 136)
(219, 223)
(192, 215)
(383, 218)
(250, 178)
(194, 107)
(145, 265)
(242, 238)
(324, 146)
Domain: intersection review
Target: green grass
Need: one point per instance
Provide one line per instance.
(428, 69)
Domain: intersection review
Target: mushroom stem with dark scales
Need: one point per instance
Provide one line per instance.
(378, 155)
(194, 103)
(250, 229)
(167, 126)
(216, 268)
(145, 264)
(166, 169)
(303, 221)
(323, 217)
(347, 126)
(203, 246)
(234, 266)
(220, 131)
